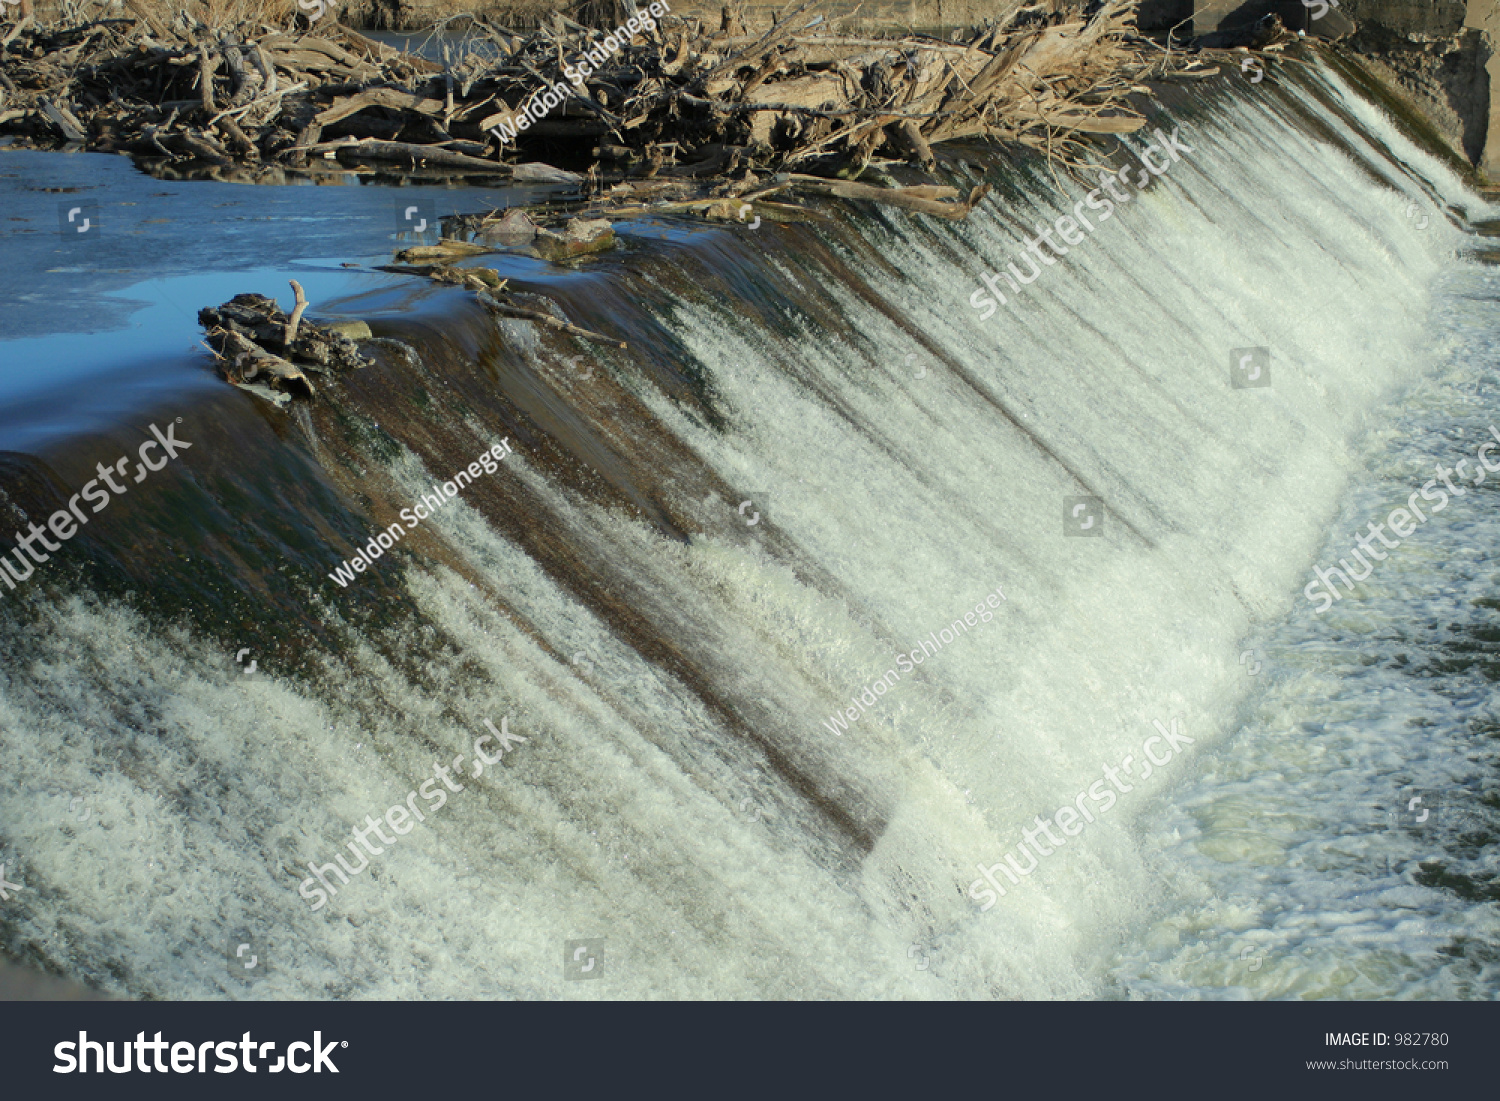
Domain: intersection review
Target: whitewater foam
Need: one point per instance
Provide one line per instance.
(711, 656)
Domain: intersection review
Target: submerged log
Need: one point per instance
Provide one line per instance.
(444, 251)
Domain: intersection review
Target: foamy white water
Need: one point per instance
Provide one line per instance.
(1341, 843)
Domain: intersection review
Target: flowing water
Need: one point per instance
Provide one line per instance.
(811, 454)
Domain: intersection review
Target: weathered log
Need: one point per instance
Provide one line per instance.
(246, 80)
(382, 53)
(63, 119)
(301, 62)
(378, 97)
(432, 154)
(893, 196)
(267, 70)
(909, 134)
(250, 361)
(408, 151)
(311, 44)
(442, 252)
(296, 319)
(238, 136)
(507, 310)
(204, 147)
(206, 67)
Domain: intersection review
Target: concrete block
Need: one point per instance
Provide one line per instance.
(1160, 16)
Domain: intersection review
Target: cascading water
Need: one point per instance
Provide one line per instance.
(812, 454)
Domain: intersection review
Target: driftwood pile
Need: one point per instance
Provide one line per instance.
(261, 349)
(720, 111)
(441, 262)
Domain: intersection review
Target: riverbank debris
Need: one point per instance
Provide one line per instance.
(263, 350)
(711, 114)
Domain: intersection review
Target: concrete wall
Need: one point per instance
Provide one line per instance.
(1483, 18)
(1443, 54)
(858, 18)
(847, 15)
(1164, 15)
(1435, 18)
(1201, 18)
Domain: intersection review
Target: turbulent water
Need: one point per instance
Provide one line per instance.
(1342, 842)
(812, 454)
